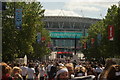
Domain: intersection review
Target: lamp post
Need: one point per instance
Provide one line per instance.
(75, 44)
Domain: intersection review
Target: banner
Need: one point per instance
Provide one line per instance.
(92, 41)
(85, 45)
(99, 37)
(43, 38)
(110, 33)
(18, 18)
(88, 44)
(38, 37)
(49, 44)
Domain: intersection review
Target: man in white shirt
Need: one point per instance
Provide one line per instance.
(24, 71)
(30, 72)
(42, 72)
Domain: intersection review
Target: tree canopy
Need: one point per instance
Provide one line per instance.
(21, 42)
(103, 47)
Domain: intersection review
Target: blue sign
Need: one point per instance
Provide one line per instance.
(18, 18)
(99, 37)
(38, 37)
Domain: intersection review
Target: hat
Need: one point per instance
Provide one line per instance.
(61, 64)
(61, 71)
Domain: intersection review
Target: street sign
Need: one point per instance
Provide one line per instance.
(18, 18)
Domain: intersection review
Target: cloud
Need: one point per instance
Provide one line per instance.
(53, 0)
(58, 12)
(86, 8)
(80, 6)
(94, 0)
(78, 0)
(105, 4)
(89, 5)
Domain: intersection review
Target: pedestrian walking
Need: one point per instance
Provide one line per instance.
(16, 73)
(24, 71)
(30, 72)
(6, 72)
(62, 73)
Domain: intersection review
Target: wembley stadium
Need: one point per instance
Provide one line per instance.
(66, 32)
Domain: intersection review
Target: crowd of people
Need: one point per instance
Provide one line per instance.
(60, 70)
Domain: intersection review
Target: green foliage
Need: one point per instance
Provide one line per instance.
(106, 48)
(18, 43)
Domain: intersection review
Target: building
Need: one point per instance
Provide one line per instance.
(66, 32)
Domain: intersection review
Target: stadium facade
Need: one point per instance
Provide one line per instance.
(65, 31)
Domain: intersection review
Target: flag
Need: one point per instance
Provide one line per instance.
(49, 44)
(85, 45)
(43, 39)
(88, 44)
(18, 18)
(92, 41)
(38, 37)
(99, 37)
(110, 32)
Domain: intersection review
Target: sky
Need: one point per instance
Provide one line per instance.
(77, 8)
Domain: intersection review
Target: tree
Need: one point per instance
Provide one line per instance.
(112, 19)
(106, 48)
(41, 48)
(17, 43)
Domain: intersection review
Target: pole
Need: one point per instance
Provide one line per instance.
(14, 14)
(75, 43)
(84, 31)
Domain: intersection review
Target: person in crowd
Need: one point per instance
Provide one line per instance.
(62, 73)
(91, 71)
(99, 69)
(16, 73)
(42, 72)
(5, 72)
(114, 72)
(80, 71)
(24, 71)
(74, 63)
(48, 70)
(30, 72)
(53, 70)
(111, 71)
(70, 68)
(37, 71)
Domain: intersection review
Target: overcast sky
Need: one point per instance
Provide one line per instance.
(77, 8)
